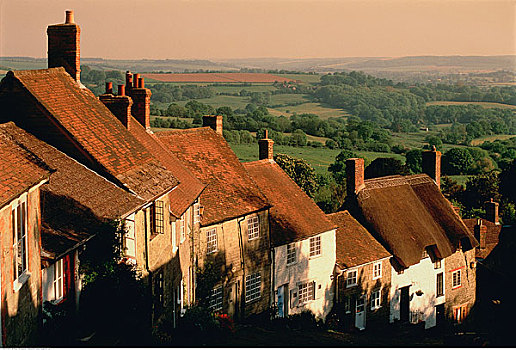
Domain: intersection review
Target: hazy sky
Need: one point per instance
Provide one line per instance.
(201, 29)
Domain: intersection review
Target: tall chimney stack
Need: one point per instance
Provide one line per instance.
(354, 175)
(480, 233)
(64, 46)
(266, 148)
(141, 99)
(432, 165)
(214, 122)
(491, 208)
(119, 105)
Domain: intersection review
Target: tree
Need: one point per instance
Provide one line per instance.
(508, 182)
(338, 168)
(300, 171)
(457, 161)
(385, 167)
(175, 110)
(414, 160)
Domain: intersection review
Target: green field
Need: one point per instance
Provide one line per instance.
(305, 78)
(481, 140)
(318, 158)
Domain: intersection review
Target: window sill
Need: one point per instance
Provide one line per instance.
(377, 277)
(351, 285)
(456, 287)
(253, 239)
(376, 308)
(248, 302)
(153, 235)
(315, 256)
(291, 264)
(213, 252)
(21, 281)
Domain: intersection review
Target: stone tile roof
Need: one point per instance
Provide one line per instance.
(492, 236)
(19, 168)
(409, 214)
(354, 244)
(294, 215)
(189, 188)
(230, 192)
(92, 128)
(74, 194)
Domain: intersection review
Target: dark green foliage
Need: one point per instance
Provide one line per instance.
(338, 168)
(385, 167)
(508, 182)
(300, 171)
(414, 160)
(174, 123)
(457, 161)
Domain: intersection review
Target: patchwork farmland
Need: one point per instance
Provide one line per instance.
(216, 77)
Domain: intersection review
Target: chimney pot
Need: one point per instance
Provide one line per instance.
(121, 90)
(141, 83)
(136, 78)
(354, 175)
(109, 88)
(69, 17)
(214, 122)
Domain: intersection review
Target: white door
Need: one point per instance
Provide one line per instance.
(281, 300)
(360, 312)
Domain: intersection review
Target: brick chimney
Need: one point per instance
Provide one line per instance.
(354, 175)
(135, 88)
(266, 148)
(119, 105)
(64, 48)
(214, 122)
(491, 208)
(432, 165)
(480, 232)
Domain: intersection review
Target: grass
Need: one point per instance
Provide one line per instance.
(310, 107)
(481, 140)
(234, 102)
(287, 98)
(483, 104)
(305, 78)
(461, 179)
(319, 158)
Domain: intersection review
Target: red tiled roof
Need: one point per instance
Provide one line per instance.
(294, 215)
(19, 169)
(354, 244)
(95, 130)
(492, 236)
(189, 187)
(230, 192)
(410, 214)
(69, 201)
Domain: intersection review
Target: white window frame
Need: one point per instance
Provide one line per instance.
(437, 295)
(196, 212)
(182, 229)
(351, 278)
(253, 287)
(291, 254)
(315, 246)
(253, 227)
(211, 241)
(377, 270)
(216, 299)
(376, 299)
(173, 234)
(456, 279)
(305, 292)
(347, 304)
(20, 243)
(58, 282)
(129, 239)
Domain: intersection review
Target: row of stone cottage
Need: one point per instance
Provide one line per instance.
(400, 251)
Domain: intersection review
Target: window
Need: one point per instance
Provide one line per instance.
(58, 283)
(360, 304)
(306, 292)
(425, 254)
(439, 288)
(215, 302)
(197, 212)
(253, 227)
(351, 278)
(182, 228)
(129, 239)
(158, 292)
(460, 313)
(211, 241)
(437, 264)
(291, 253)
(315, 246)
(253, 286)
(173, 235)
(456, 281)
(20, 258)
(376, 299)
(157, 211)
(377, 270)
(347, 304)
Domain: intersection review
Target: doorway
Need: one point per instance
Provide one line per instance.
(360, 312)
(404, 304)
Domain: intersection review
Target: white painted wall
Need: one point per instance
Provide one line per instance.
(421, 276)
(317, 269)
